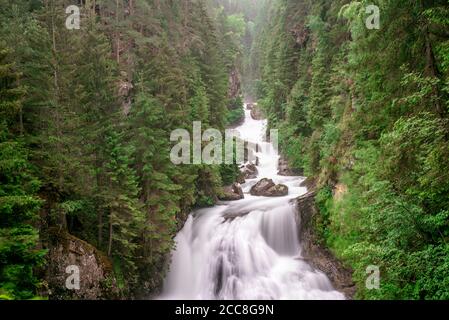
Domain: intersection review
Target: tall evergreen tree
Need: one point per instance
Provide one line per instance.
(19, 204)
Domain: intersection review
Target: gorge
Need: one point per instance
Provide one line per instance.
(89, 184)
(247, 249)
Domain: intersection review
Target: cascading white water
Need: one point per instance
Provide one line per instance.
(246, 249)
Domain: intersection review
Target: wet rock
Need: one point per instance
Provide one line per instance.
(317, 255)
(267, 188)
(230, 216)
(249, 106)
(279, 190)
(309, 183)
(250, 171)
(232, 193)
(260, 188)
(256, 113)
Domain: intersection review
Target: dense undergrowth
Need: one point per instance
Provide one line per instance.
(365, 112)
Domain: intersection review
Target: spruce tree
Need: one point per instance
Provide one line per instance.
(19, 204)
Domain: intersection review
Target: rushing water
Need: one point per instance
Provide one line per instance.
(246, 249)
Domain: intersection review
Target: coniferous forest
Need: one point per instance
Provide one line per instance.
(86, 116)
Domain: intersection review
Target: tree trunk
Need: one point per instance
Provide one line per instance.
(432, 69)
(100, 211)
(131, 7)
(21, 120)
(117, 32)
(110, 234)
(56, 111)
(100, 227)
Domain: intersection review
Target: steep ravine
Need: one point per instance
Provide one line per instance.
(259, 247)
(268, 245)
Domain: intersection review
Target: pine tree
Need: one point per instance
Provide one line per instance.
(125, 219)
(19, 204)
(318, 107)
(98, 110)
(199, 103)
(160, 193)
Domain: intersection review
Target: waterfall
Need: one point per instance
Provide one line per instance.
(246, 249)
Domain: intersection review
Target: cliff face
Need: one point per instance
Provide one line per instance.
(316, 254)
(96, 280)
(234, 84)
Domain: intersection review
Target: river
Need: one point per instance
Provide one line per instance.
(254, 256)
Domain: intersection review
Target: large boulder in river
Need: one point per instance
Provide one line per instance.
(232, 193)
(279, 190)
(267, 188)
(261, 187)
(256, 113)
(250, 171)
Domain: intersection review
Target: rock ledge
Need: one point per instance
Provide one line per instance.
(317, 255)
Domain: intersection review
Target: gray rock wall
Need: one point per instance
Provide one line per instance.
(317, 255)
(95, 270)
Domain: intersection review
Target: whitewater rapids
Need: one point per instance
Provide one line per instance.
(246, 249)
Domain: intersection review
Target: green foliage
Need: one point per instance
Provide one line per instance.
(204, 201)
(86, 116)
(229, 173)
(90, 112)
(19, 205)
(395, 212)
(365, 113)
(324, 201)
(236, 113)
